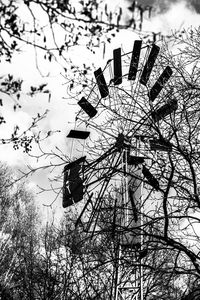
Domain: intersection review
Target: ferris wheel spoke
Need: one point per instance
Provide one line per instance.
(102, 157)
(107, 178)
(95, 212)
(89, 201)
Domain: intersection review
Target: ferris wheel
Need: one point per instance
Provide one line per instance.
(122, 125)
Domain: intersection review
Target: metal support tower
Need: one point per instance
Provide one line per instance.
(129, 283)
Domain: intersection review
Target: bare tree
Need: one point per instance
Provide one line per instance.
(34, 25)
(149, 118)
(159, 120)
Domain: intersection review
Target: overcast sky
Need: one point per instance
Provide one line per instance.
(170, 15)
(163, 5)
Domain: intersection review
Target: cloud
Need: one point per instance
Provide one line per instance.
(178, 16)
(196, 5)
(161, 6)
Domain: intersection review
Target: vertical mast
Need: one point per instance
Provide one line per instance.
(129, 284)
